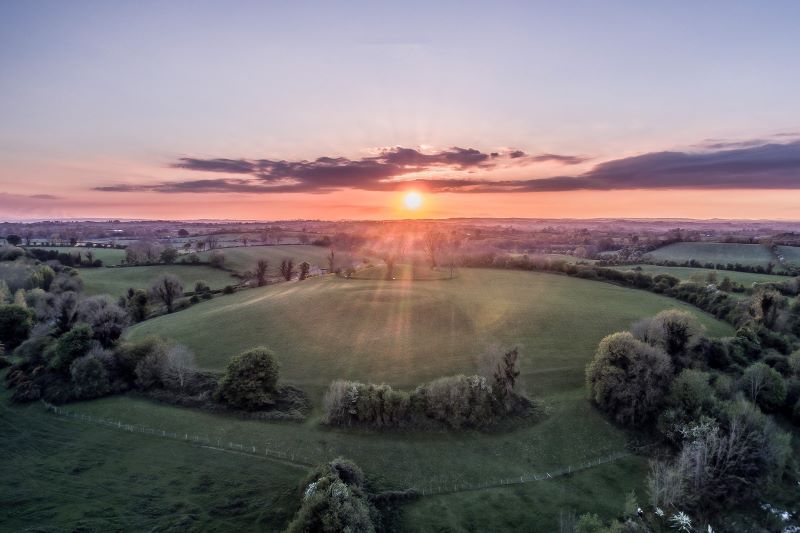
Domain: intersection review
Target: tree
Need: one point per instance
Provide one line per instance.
(89, 377)
(287, 269)
(183, 233)
(331, 261)
(13, 240)
(506, 372)
(178, 368)
(628, 378)
(304, 268)
(432, 242)
(168, 255)
(105, 317)
(15, 324)
(70, 346)
(217, 259)
(167, 289)
(674, 331)
(250, 381)
(764, 386)
(392, 252)
(261, 272)
(138, 304)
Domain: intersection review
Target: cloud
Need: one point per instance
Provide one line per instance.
(751, 164)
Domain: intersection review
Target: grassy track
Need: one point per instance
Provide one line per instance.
(714, 252)
(116, 281)
(245, 258)
(688, 273)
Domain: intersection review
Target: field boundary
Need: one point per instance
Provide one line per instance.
(433, 488)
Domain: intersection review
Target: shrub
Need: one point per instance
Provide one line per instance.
(250, 381)
(15, 324)
(129, 354)
(70, 346)
(89, 378)
(229, 289)
(149, 370)
(334, 500)
(105, 317)
(628, 379)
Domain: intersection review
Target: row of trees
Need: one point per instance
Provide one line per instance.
(454, 401)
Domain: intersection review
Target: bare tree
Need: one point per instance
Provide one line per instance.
(287, 269)
(451, 246)
(432, 242)
(331, 260)
(212, 241)
(392, 252)
(244, 241)
(167, 289)
(179, 367)
(261, 272)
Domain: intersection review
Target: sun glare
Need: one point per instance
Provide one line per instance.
(412, 200)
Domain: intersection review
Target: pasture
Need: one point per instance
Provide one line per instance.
(791, 254)
(241, 259)
(689, 273)
(116, 281)
(402, 333)
(714, 252)
(405, 332)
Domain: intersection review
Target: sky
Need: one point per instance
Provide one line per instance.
(335, 110)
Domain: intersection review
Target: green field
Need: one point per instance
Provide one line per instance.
(109, 256)
(418, 272)
(689, 273)
(116, 281)
(242, 259)
(403, 333)
(66, 475)
(714, 252)
(791, 254)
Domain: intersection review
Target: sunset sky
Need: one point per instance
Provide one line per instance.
(279, 110)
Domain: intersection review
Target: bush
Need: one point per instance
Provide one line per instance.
(15, 325)
(70, 346)
(105, 317)
(89, 378)
(130, 354)
(250, 380)
(334, 500)
(628, 378)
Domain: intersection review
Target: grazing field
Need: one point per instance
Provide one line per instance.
(66, 475)
(109, 256)
(688, 273)
(791, 254)
(404, 332)
(418, 272)
(116, 281)
(243, 258)
(714, 252)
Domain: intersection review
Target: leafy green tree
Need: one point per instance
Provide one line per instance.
(169, 255)
(287, 269)
(105, 317)
(674, 331)
(628, 378)
(89, 378)
(250, 381)
(764, 386)
(15, 324)
(13, 240)
(71, 345)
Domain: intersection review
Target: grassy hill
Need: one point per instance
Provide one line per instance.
(714, 252)
(404, 332)
(245, 258)
(116, 281)
(791, 254)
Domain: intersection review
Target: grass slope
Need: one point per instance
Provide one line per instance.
(791, 254)
(65, 475)
(713, 252)
(116, 281)
(408, 332)
(405, 333)
(245, 258)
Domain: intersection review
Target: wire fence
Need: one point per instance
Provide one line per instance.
(430, 487)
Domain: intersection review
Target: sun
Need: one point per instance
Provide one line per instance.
(412, 200)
